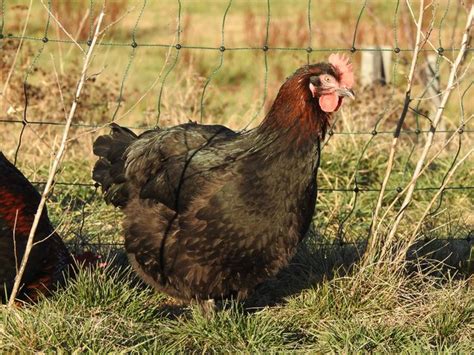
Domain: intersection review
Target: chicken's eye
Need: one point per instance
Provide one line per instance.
(327, 79)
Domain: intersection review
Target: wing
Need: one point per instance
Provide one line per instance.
(166, 165)
(221, 244)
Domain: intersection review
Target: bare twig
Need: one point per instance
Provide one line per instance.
(152, 86)
(14, 241)
(60, 52)
(426, 37)
(59, 87)
(419, 43)
(132, 107)
(56, 162)
(396, 199)
(436, 121)
(120, 18)
(440, 190)
(62, 27)
(79, 30)
(459, 78)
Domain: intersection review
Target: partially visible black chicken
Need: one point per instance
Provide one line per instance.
(49, 259)
(210, 213)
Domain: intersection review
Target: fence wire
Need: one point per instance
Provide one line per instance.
(412, 104)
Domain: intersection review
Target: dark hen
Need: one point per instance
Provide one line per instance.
(49, 258)
(211, 213)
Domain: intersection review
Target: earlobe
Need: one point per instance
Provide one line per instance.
(313, 89)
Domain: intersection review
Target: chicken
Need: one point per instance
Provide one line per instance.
(211, 213)
(49, 259)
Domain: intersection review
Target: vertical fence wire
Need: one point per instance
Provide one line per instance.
(29, 71)
(178, 47)
(265, 49)
(310, 35)
(134, 46)
(221, 60)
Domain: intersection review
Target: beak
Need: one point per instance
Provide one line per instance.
(346, 92)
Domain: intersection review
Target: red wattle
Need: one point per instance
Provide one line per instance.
(329, 103)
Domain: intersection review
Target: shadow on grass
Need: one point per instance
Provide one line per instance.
(314, 263)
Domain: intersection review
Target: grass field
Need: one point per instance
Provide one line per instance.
(311, 306)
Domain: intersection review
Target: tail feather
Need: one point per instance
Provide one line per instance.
(109, 170)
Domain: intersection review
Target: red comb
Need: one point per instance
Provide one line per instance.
(344, 67)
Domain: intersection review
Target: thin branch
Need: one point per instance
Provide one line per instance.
(440, 190)
(60, 52)
(56, 162)
(394, 202)
(152, 86)
(120, 18)
(419, 43)
(436, 121)
(426, 37)
(155, 82)
(79, 30)
(59, 87)
(62, 27)
(14, 241)
(460, 78)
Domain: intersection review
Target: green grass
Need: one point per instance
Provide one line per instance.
(105, 310)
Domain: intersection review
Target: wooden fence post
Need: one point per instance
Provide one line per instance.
(376, 66)
(432, 79)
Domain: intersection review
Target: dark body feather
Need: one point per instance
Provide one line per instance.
(211, 213)
(48, 260)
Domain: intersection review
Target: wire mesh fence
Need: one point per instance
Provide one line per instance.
(358, 139)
